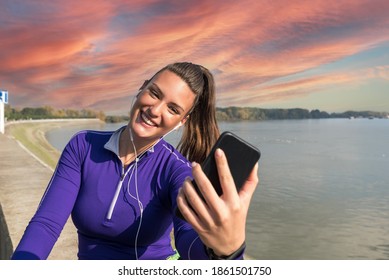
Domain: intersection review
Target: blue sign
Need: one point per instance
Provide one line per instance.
(4, 96)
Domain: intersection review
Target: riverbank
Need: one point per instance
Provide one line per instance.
(32, 135)
(28, 161)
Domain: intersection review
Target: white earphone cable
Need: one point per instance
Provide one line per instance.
(140, 205)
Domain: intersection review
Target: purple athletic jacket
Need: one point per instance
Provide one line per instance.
(90, 184)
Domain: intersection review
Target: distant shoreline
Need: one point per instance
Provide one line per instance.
(231, 113)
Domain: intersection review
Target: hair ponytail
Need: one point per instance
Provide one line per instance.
(200, 130)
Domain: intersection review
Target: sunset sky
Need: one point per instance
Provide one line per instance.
(330, 55)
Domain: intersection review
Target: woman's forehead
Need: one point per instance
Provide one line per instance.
(174, 88)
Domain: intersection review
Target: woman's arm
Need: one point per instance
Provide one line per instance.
(54, 209)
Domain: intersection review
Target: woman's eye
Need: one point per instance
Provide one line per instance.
(173, 110)
(153, 93)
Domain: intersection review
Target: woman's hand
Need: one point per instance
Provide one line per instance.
(219, 221)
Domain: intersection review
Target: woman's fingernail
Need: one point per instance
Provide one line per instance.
(218, 152)
(187, 178)
(194, 164)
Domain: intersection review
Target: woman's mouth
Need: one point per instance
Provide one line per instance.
(146, 119)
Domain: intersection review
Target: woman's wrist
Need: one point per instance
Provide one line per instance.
(213, 256)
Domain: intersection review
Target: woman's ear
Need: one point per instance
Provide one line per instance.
(184, 120)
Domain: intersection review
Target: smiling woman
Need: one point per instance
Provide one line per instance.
(123, 187)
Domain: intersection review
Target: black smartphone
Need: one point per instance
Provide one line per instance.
(241, 157)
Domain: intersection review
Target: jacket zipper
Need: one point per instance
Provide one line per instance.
(117, 192)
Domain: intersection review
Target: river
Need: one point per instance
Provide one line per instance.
(324, 187)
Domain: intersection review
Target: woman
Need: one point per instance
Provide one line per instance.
(122, 188)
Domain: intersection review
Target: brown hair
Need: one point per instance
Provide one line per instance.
(200, 130)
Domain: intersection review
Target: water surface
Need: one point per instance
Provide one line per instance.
(323, 191)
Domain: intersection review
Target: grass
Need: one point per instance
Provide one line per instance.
(32, 136)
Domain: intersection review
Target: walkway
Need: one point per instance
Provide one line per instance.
(23, 181)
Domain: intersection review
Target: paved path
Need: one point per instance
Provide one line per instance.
(23, 181)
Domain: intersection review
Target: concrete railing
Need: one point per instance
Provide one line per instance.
(6, 247)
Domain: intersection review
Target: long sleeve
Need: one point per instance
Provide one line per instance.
(187, 241)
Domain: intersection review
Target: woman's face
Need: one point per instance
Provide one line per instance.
(160, 106)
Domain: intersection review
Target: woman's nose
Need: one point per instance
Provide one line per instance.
(156, 109)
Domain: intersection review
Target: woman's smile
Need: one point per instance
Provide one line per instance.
(146, 119)
(161, 106)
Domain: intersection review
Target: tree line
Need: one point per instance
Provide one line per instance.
(258, 114)
(223, 114)
(48, 112)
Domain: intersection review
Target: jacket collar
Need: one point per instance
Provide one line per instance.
(113, 142)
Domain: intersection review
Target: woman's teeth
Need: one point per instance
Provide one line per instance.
(147, 120)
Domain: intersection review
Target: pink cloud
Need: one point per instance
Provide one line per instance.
(96, 52)
(381, 72)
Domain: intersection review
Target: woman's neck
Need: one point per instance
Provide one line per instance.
(130, 148)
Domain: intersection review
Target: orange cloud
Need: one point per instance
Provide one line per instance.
(97, 53)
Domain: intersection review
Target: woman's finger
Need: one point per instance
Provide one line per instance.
(250, 185)
(205, 187)
(226, 180)
(197, 212)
